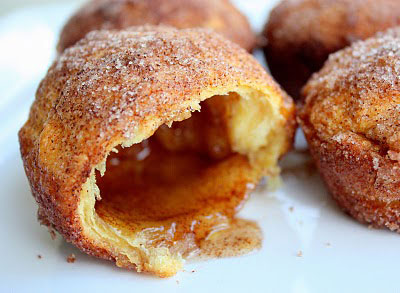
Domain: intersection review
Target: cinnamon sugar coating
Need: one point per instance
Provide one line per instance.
(302, 33)
(219, 15)
(351, 119)
(114, 89)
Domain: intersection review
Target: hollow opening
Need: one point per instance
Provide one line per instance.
(180, 185)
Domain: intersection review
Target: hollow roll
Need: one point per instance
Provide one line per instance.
(219, 15)
(351, 120)
(301, 34)
(142, 144)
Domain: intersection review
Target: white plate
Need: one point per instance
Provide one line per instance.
(338, 254)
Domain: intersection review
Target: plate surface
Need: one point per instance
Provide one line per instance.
(309, 244)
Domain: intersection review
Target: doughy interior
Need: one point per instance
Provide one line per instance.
(171, 192)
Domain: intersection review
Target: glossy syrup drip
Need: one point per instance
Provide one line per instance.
(184, 200)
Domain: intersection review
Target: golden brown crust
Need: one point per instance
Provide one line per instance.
(302, 33)
(219, 15)
(118, 87)
(351, 120)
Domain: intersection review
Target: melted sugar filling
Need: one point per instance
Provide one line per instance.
(182, 187)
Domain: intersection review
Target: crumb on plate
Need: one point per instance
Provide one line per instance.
(71, 258)
(53, 234)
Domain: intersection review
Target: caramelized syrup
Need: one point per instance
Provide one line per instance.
(182, 196)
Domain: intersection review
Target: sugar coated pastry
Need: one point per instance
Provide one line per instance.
(142, 145)
(219, 15)
(350, 117)
(302, 33)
